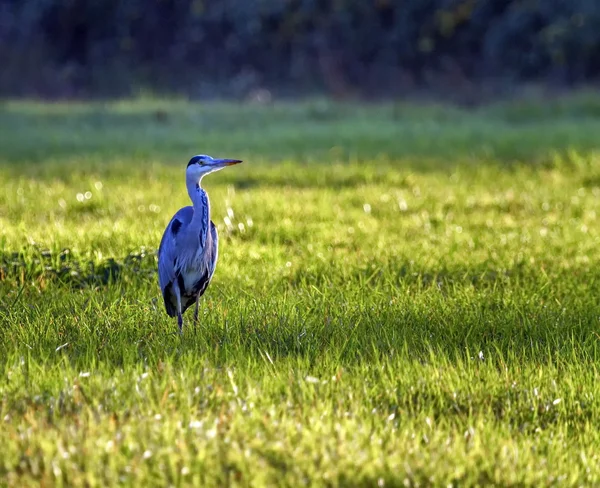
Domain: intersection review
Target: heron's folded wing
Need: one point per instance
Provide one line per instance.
(168, 252)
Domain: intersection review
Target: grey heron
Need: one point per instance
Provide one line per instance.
(188, 250)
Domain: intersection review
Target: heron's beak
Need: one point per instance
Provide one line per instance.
(225, 162)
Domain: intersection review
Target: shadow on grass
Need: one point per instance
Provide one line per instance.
(357, 318)
(34, 264)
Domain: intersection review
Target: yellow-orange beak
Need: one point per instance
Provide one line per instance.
(225, 162)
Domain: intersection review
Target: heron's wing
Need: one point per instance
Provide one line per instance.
(211, 255)
(167, 252)
(210, 262)
(209, 259)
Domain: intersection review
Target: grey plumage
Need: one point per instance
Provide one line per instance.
(188, 250)
(190, 271)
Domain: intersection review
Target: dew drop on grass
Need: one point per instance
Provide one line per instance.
(367, 208)
(80, 197)
(87, 195)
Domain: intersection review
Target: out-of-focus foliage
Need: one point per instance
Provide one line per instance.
(234, 47)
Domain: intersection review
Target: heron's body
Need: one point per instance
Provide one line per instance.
(188, 251)
(192, 270)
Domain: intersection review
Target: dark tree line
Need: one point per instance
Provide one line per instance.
(233, 47)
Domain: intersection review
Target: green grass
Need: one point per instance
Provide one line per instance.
(406, 296)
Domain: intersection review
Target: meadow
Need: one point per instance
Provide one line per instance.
(406, 295)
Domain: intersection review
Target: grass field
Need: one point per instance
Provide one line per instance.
(406, 296)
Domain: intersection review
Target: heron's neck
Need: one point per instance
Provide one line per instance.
(199, 200)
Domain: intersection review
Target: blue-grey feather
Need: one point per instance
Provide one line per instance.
(182, 256)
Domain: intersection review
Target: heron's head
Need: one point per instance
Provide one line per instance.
(202, 164)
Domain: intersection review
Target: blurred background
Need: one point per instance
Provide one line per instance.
(463, 49)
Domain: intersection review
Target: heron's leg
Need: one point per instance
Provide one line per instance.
(196, 311)
(179, 316)
(180, 322)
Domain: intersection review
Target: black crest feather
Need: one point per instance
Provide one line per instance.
(194, 160)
